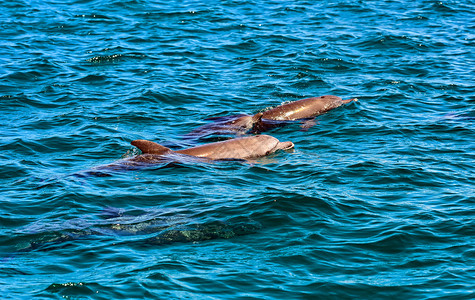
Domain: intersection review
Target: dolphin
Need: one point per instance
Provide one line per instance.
(305, 108)
(238, 148)
(281, 115)
(244, 148)
(144, 229)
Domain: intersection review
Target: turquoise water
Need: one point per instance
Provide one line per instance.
(376, 201)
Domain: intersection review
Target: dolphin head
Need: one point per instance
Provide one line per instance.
(269, 145)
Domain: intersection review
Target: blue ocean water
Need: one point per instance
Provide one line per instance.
(376, 201)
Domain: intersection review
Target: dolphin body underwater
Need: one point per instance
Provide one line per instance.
(154, 230)
(281, 115)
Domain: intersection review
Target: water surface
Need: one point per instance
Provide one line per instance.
(376, 201)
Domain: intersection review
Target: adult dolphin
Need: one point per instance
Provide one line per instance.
(238, 148)
(245, 148)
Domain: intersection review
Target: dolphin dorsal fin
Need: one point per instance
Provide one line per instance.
(149, 147)
(257, 117)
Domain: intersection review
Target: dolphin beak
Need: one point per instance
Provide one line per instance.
(285, 145)
(350, 100)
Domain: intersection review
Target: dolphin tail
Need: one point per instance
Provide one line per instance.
(149, 147)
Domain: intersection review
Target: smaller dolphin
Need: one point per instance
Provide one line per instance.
(305, 108)
(238, 148)
(278, 116)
